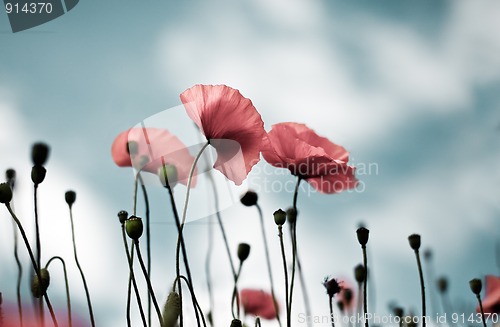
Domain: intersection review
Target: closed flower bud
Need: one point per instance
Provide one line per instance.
(10, 175)
(363, 234)
(172, 175)
(5, 193)
(132, 148)
(122, 216)
(38, 288)
(70, 197)
(171, 310)
(475, 286)
(243, 251)
(279, 217)
(414, 240)
(291, 215)
(236, 323)
(38, 174)
(39, 153)
(249, 199)
(442, 284)
(359, 273)
(134, 227)
(332, 287)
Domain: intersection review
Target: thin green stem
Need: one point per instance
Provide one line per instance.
(195, 301)
(234, 297)
(422, 287)
(183, 221)
(285, 269)
(294, 247)
(132, 280)
(33, 261)
(148, 239)
(66, 284)
(482, 310)
(148, 281)
(19, 271)
(330, 303)
(87, 293)
(365, 282)
(359, 304)
(257, 322)
(38, 247)
(268, 261)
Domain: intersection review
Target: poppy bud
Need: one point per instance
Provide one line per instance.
(332, 287)
(38, 288)
(122, 216)
(10, 175)
(414, 240)
(291, 215)
(442, 284)
(134, 227)
(70, 197)
(475, 286)
(362, 233)
(39, 153)
(398, 312)
(243, 251)
(5, 193)
(171, 175)
(359, 273)
(236, 323)
(132, 148)
(38, 174)
(279, 217)
(171, 310)
(249, 199)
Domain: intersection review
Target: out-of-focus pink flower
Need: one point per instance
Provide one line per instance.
(312, 157)
(230, 123)
(153, 146)
(258, 303)
(10, 317)
(491, 301)
(347, 295)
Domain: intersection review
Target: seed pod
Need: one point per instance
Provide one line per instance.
(279, 217)
(134, 227)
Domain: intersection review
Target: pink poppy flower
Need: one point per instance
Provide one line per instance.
(312, 157)
(491, 301)
(10, 317)
(154, 147)
(258, 303)
(230, 123)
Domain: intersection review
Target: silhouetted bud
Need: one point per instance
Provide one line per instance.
(38, 288)
(279, 217)
(332, 287)
(475, 286)
(427, 254)
(172, 175)
(134, 227)
(10, 175)
(70, 197)
(442, 284)
(414, 240)
(291, 215)
(39, 153)
(122, 216)
(363, 234)
(249, 199)
(398, 312)
(5, 193)
(243, 251)
(236, 323)
(359, 273)
(38, 174)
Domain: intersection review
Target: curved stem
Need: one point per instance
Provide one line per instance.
(132, 280)
(365, 302)
(33, 261)
(148, 239)
(294, 247)
(66, 284)
(38, 247)
(422, 287)
(359, 305)
(89, 304)
(19, 272)
(183, 221)
(282, 245)
(148, 281)
(268, 261)
(197, 305)
(330, 303)
(235, 297)
(482, 311)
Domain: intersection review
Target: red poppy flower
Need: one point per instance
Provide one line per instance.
(258, 303)
(230, 123)
(312, 157)
(153, 146)
(491, 301)
(10, 317)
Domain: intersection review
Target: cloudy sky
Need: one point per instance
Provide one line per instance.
(410, 89)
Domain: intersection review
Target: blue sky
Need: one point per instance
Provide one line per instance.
(411, 88)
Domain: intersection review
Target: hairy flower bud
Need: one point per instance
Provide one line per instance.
(249, 199)
(243, 251)
(134, 227)
(5, 193)
(171, 310)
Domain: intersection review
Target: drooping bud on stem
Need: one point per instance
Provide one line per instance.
(38, 288)
(171, 310)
